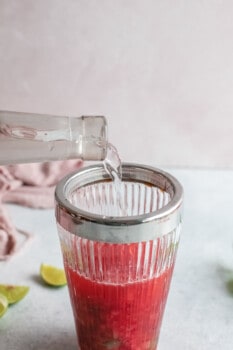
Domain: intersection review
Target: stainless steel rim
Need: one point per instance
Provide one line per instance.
(120, 229)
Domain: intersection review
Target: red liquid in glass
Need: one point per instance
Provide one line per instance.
(118, 316)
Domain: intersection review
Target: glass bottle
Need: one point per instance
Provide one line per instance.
(27, 137)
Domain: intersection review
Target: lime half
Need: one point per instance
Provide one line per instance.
(52, 275)
(3, 304)
(13, 293)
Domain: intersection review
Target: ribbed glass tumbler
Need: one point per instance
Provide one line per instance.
(119, 242)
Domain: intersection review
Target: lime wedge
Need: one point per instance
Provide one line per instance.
(13, 293)
(3, 304)
(52, 275)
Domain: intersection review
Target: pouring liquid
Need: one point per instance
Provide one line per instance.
(113, 167)
(112, 163)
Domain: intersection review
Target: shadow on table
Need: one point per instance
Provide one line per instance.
(38, 279)
(57, 340)
(226, 275)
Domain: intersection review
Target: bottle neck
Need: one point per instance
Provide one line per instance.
(28, 137)
(88, 136)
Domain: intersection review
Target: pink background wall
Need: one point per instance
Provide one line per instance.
(161, 71)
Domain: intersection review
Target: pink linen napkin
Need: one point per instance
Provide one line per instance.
(31, 185)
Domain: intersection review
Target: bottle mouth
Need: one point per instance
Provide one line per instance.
(145, 205)
(94, 137)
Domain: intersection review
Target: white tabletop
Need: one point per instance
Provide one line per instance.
(199, 308)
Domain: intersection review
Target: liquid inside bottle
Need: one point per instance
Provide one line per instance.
(29, 138)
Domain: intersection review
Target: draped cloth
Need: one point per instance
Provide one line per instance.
(30, 185)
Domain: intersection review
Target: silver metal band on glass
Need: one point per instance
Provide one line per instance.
(120, 229)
